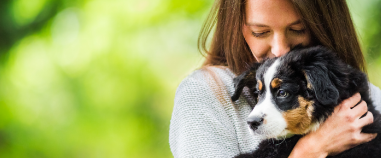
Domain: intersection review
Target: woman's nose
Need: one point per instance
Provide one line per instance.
(280, 46)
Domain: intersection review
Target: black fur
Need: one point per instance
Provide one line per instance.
(332, 82)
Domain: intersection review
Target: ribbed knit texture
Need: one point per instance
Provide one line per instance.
(206, 123)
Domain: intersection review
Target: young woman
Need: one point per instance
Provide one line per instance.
(206, 123)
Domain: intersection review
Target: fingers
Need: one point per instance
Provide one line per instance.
(351, 102)
(355, 112)
(348, 103)
(355, 105)
(360, 109)
(366, 137)
(349, 113)
(359, 137)
(366, 120)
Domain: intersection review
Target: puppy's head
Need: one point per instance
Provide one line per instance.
(291, 92)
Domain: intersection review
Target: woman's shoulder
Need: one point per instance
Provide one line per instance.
(206, 73)
(207, 81)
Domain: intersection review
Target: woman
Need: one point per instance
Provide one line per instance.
(206, 123)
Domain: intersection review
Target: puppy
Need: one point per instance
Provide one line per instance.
(297, 92)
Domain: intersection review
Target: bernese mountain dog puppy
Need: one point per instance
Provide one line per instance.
(295, 93)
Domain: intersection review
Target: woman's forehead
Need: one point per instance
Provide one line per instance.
(273, 13)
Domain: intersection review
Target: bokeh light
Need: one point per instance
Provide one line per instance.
(95, 78)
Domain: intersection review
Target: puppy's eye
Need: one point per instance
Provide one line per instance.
(282, 93)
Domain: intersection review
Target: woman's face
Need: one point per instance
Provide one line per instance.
(273, 27)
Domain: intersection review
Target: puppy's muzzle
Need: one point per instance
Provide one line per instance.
(255, 122)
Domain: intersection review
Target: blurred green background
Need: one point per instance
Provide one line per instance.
(97, 78)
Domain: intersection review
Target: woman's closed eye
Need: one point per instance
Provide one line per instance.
(260, 34)
(264, 33)
(298, 31)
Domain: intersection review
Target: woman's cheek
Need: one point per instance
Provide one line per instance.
(260, 50)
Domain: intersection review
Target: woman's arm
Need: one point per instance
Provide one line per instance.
(375, 95)
(340, 132)
(199, 125)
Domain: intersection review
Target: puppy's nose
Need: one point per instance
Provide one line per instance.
(255, 122)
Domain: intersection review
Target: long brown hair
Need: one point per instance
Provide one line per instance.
(329, 22)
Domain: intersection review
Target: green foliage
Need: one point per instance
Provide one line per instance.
(366, 16)
(93, 78)
(373, 38)
(97, 78)
(109, 109)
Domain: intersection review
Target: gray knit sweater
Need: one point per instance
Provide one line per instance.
(206, 123)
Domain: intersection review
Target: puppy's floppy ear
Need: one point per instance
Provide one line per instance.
(318, 63)
(247, 78)
(325, 92)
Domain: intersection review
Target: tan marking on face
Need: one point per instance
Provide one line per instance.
(300, 119)
(276, 83)
(309, 85)
(259, 85)
(251, 75)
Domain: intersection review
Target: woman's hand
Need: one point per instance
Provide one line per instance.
(341, 131)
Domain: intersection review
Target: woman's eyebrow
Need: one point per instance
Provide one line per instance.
(255, 24)
(263, 25)
(295, 23)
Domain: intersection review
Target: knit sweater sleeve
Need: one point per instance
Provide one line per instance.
(375, 95)
(200, 126)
